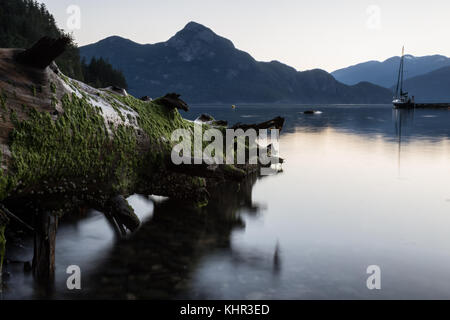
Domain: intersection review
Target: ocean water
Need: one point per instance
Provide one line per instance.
(361, 185)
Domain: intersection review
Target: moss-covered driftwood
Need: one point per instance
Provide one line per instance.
(3, 222)
(64, 143)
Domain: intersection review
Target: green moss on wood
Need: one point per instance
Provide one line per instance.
(2, 247)
(3, 98)
(52, 87)
(80, 144)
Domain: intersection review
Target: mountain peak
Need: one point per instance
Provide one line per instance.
(205, 67)
(195, 27)
(193, 31)
(115, 40)
(195, 41)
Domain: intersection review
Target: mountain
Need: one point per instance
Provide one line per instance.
(385, 73)
(430, 87)
(204, 67)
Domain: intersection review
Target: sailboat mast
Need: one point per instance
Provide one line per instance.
(399, 88)
(401, 63)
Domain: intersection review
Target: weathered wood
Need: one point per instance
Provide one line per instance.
(123, 213)
(13, 217)
(173, 101)
(62, 137)
(204, 117)
(275, 123)
(217, 171)
(119, 213)
(43, 52)
(2, 247)
(114, 133)
(44, 246)
(274, 159)
(208, 119)
(4, 220)
(146, 98)
(116, 90)
(223, 123)
(116, 226)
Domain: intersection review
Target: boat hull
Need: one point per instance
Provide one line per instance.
(403, 105)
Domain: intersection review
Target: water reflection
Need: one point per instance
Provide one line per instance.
(84, 240)
(367, 120)
(340, 205)
(277, 259)
(158, 260)
(403, 120)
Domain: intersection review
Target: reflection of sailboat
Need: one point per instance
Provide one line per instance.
(401, 118)
(401, 99)
(276, 259)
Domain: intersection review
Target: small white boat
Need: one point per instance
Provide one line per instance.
(401, 99)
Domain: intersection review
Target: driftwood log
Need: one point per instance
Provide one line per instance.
(276, 123)
(3, 222)
(209, 170)
(8, 215)
(64, 144)
(42, 54)
(173, 101)
(44, 246)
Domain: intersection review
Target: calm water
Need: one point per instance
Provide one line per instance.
(361, 185)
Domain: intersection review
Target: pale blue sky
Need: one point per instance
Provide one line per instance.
(310, 34)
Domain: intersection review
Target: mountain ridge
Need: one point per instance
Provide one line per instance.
(384, 73)
(430, 87)
(205, 67)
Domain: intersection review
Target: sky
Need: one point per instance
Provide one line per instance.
(305, 34)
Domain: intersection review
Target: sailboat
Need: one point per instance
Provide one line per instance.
(401, 99)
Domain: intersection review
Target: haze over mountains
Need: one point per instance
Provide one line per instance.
(204, 67)
(427, 78)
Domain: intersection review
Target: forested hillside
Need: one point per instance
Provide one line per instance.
(99, 73)
(23, 22)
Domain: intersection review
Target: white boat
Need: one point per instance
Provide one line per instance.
(401, 99)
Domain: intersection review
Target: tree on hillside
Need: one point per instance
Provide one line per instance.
(99, 73)
(23, 22)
